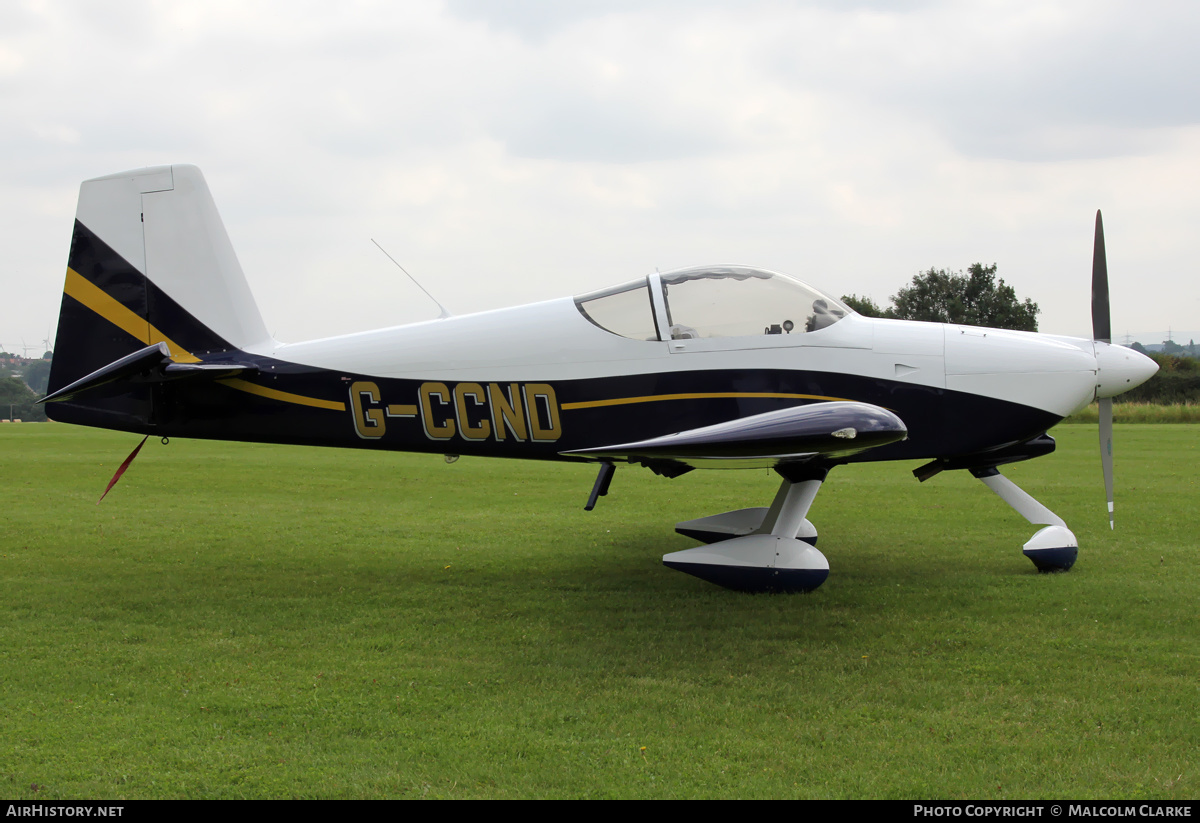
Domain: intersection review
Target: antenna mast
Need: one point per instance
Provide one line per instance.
(444, 313)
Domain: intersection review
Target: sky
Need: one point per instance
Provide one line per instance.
(506, 151)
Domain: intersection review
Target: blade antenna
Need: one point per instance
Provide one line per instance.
(1102, 333)
(444, 313)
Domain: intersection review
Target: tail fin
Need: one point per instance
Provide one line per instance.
(150, 263)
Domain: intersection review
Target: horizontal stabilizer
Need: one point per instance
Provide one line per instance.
(152, 364)
(129, 366)
(825, 430)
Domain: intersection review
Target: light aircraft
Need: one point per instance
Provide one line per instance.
(712, 367)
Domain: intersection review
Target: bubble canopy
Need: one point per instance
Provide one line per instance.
(711, 302)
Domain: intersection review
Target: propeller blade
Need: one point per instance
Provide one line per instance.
(1102, 332)
(1106, 451)
(1101, 322)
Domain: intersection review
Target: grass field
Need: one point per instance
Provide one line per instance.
(260, 621)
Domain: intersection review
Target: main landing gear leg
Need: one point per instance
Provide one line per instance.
(775, 554)
(1053, 548)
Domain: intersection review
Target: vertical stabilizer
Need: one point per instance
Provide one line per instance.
(150, 263)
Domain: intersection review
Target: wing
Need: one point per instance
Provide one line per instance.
(796, 435)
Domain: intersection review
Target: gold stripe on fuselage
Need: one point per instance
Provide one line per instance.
(654, 398)
(286, 397)
(95, 298)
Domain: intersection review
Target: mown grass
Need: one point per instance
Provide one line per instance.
(259, 621)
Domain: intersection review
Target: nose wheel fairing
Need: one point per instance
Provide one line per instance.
(1053, 548)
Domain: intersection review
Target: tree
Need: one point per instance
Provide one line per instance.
(18, 400)
(36, 374)
(865, 306)
(973, 298)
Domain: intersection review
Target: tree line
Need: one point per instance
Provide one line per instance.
(24, 381)
(1177, 381)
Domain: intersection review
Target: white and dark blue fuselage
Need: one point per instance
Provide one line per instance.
(723, 366)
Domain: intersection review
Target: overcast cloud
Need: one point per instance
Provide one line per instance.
(514, 151)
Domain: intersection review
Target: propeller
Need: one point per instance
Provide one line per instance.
(1102, 333)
